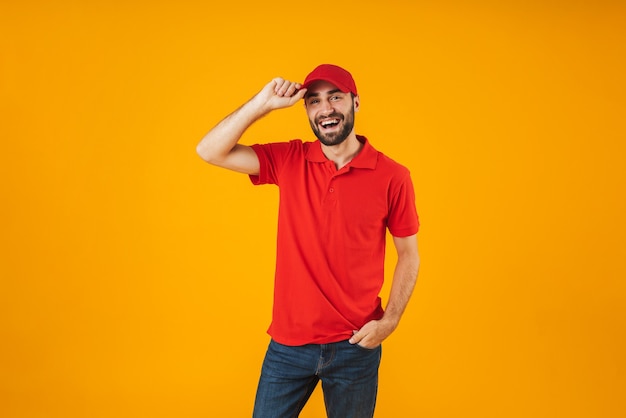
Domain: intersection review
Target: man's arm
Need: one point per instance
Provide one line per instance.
(404, 278)
(220, 145)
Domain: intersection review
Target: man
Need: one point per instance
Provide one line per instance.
(338, 197)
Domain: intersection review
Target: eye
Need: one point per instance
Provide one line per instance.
(335, 98)
(313, 101)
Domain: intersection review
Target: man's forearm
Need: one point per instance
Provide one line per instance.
(220, 140)
(220, 146)
(404, 280)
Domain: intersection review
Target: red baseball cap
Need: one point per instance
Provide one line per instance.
(333, 74)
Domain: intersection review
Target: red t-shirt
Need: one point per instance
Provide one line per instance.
(331, 237)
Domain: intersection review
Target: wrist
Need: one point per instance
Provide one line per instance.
(389, 322)
(257, 107)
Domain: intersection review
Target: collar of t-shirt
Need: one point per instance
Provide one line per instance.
(367, 158)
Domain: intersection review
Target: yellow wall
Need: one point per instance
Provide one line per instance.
(136, 280)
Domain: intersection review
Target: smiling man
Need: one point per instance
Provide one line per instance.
(338, 198)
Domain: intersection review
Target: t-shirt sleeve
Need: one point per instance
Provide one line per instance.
(271, 159)
(403, 220)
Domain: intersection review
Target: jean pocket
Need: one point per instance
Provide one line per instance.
(367, 349)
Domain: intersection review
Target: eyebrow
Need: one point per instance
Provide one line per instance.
(328, 92)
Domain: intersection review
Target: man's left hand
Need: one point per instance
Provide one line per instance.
(372, 334)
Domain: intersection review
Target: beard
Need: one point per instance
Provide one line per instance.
(334, 138)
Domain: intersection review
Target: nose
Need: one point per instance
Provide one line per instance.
(327, 107)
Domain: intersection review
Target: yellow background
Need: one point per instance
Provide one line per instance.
(136, 280)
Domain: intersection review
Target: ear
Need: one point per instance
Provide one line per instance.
(357, 103)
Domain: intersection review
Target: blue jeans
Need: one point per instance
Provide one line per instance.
(349, 375)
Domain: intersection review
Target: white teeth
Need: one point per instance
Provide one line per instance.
(329, 122)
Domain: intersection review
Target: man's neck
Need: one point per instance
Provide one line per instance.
(343, 153)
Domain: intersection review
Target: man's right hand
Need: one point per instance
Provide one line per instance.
(279, 93)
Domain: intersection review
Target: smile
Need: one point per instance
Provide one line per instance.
(330, 123)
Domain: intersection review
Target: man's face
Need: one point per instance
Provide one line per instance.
(330, 112)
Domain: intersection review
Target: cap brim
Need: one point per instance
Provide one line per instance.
(334, 83)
